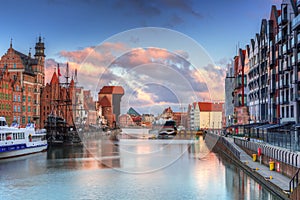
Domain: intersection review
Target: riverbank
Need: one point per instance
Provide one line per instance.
(277, 183)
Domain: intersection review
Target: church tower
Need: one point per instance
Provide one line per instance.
(40, 51)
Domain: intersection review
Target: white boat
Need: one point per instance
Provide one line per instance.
(15, 141)
(168, 130)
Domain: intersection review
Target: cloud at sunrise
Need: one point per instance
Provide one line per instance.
(151, 77)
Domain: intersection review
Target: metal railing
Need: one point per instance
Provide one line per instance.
(294, 181)
(283, 155)
(234, 149)
(231, 146)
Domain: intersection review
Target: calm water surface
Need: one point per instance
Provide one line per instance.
(127, 169)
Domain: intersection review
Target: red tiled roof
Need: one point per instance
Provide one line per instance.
(104, 102)
(210, 107)
(112, 90)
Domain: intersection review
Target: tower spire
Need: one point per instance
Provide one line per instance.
(10, 42)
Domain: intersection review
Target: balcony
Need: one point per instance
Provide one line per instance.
(296, 22)
(282, 19)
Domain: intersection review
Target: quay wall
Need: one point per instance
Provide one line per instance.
(233, 152)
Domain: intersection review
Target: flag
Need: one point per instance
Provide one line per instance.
(58, 70)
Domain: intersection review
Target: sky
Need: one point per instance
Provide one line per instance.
(118, 41)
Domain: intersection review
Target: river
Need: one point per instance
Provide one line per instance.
(127, 169)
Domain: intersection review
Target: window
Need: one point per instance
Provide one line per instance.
(29, 109)
(287, 111)
(19, 110)
(23, 98)
(292, 111)
(23, 108)
(15, 109)
(17, 88)
(29, 119)
(29, 98)
(15, 98)
(15, 66)
(19, 99)
(282, 112)
(23, 119)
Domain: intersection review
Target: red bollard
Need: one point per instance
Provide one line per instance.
(277, 166)
(259, 151)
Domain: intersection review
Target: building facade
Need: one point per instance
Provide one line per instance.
(57, 100)
(108, 105)
(273, 76)
(205, 115)
(27, 78)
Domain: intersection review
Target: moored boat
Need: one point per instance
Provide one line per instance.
(168, 130)
(15, 141)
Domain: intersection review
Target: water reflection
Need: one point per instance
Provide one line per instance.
(92, 155)
(73, 173)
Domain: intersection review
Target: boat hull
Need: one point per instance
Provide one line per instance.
(23, 151)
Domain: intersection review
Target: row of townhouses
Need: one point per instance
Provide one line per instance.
(262, 82)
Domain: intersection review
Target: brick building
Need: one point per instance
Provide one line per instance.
(22, 77)
(57, 100)
(108, 105)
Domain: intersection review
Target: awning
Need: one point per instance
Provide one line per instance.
(265, 126)
(296, 125)
(254, 124)
(279, 126)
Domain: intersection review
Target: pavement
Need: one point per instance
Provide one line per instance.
(277, 178)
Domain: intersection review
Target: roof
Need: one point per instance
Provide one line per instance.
(210, 107)
(27, 62)
(133, 112)
(104, 102)
(54, 79)
(112, 90)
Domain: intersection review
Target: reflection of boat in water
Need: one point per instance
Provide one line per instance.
(168, 130)
(16, 141)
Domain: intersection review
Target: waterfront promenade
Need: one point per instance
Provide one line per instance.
(275, 181)
(278, 179)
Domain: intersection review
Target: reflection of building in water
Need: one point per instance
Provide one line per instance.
(109, 149)
(236, 178)
(95, 154)
(108, 105)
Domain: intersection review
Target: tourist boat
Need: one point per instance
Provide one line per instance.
(15, 141)
(168, 130)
